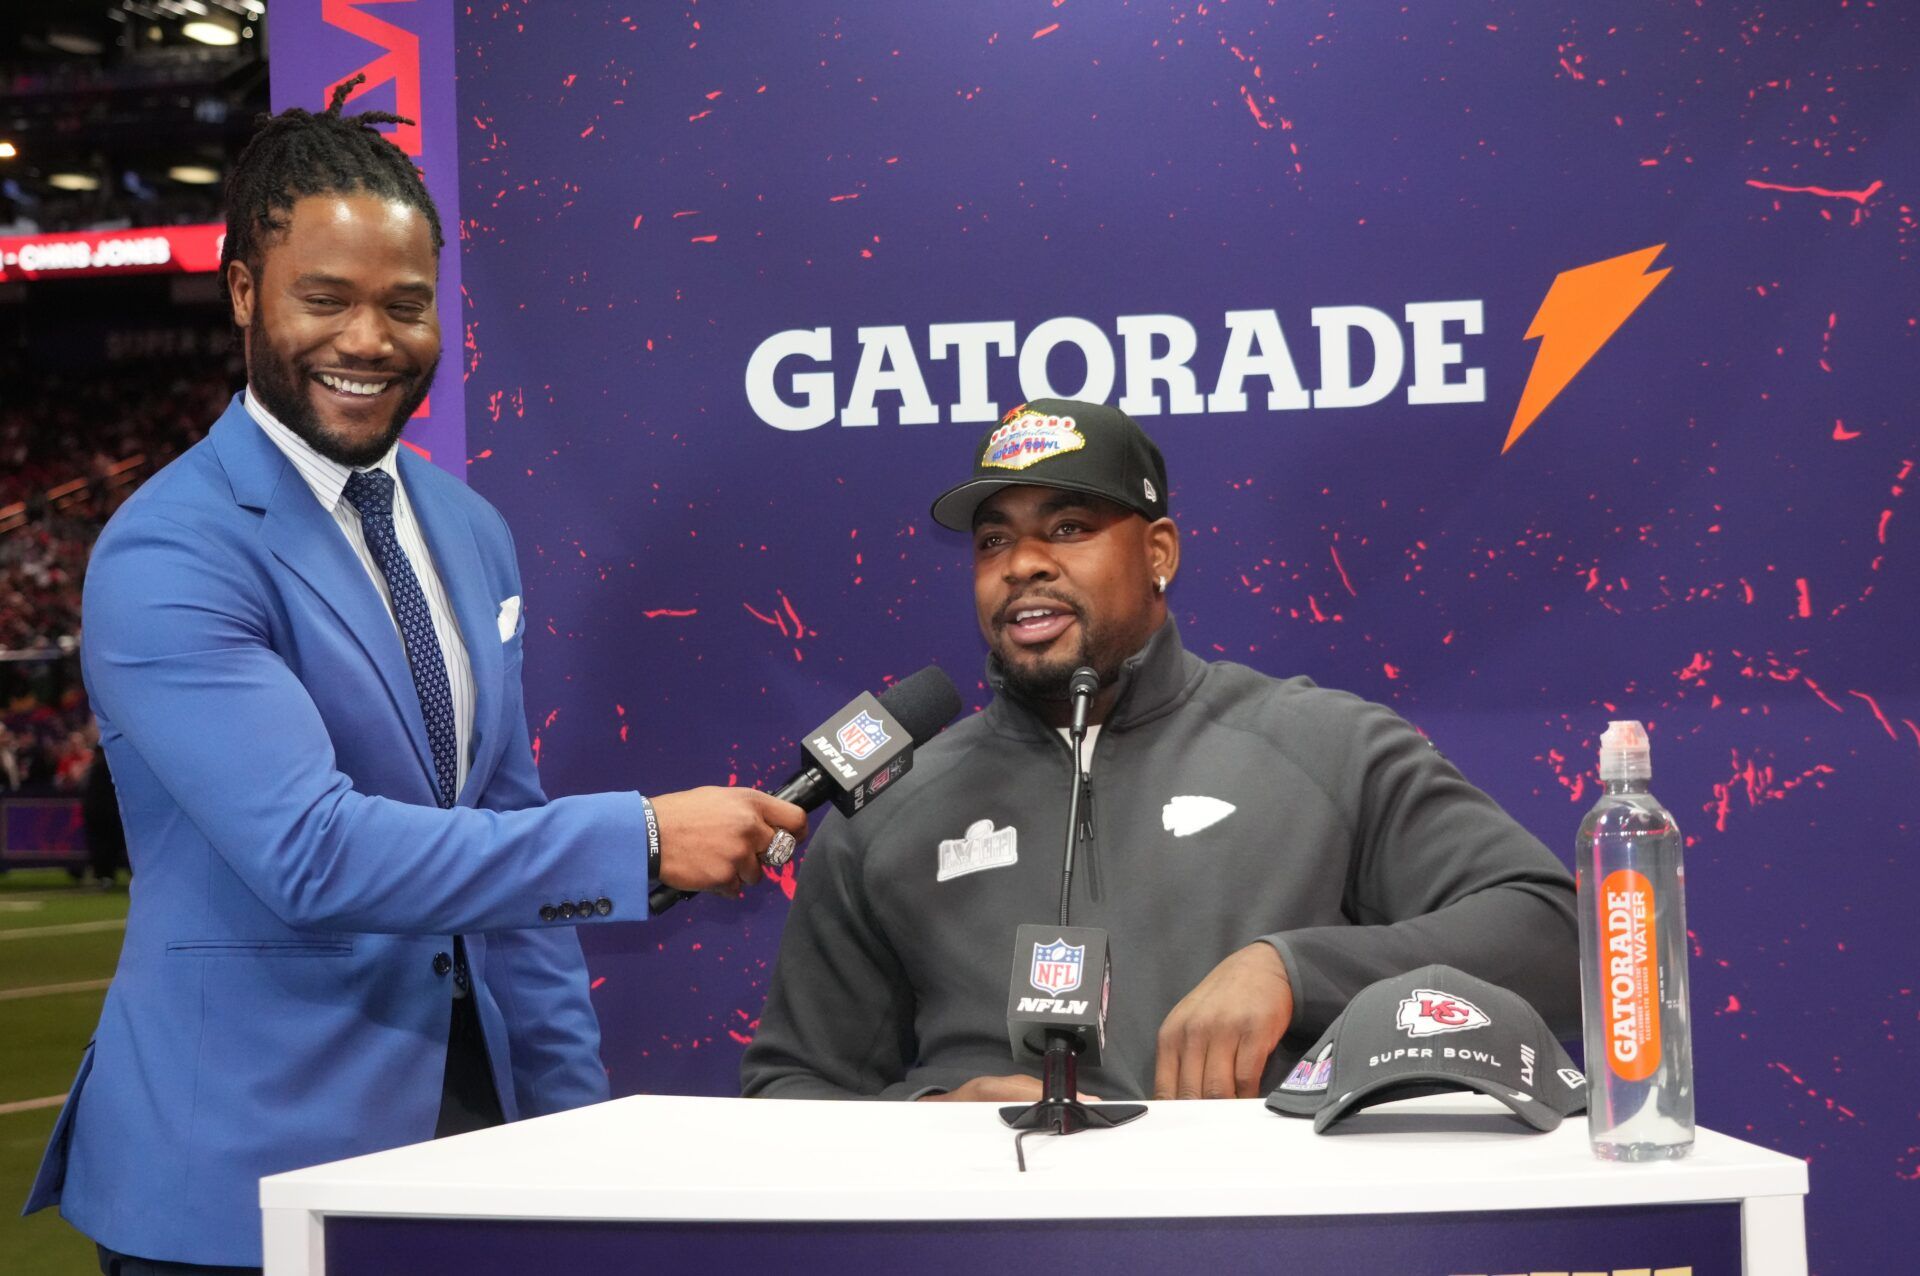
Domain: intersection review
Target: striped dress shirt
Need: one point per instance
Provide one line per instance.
(328, 480)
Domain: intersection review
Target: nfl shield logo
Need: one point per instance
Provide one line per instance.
(859, 738)
(1056, 966)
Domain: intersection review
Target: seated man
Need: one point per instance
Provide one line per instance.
(1259, 850)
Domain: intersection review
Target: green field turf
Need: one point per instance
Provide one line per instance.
(52, 933)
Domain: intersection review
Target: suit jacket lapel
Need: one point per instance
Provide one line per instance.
(456, 556)
(309, 543)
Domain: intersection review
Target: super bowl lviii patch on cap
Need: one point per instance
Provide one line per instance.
(1028, 437)
(1430, 1031)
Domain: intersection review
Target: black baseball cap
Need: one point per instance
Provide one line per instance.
(1064, 443)
(1431, 1031)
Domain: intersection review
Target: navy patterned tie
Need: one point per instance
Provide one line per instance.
(371, 492)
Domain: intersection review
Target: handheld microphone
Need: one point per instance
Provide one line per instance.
(852, 756)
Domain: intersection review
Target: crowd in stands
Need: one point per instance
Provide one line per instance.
(114, 206)
(72, 448)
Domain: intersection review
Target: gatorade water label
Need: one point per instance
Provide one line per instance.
(1632, 975)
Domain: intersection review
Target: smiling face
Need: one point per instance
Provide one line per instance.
(1062, 580)
(342, 336)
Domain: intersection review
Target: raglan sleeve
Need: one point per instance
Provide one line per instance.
(1438, 873)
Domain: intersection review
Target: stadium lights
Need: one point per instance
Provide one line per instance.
(194, 174)
(216, 29)
(8, 150)
(74, 182)
(75, 42)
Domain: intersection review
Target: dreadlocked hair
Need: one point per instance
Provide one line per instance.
(298, 153)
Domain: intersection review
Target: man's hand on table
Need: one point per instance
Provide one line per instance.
(1215, 1043)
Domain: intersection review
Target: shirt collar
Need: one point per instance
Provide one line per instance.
(325, 476)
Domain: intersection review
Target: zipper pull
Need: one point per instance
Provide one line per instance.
(1086, 807)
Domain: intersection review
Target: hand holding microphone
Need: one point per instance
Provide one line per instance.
(712, 838)
(732, 835)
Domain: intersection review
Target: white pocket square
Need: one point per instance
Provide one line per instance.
(509, 617)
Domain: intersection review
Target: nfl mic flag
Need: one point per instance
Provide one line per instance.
(1061, 979)
(862, 749)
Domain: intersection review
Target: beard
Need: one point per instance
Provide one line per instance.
(281, 385)
(1103, 647)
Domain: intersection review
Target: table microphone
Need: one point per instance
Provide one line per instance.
(859, 751)
(1058, 962)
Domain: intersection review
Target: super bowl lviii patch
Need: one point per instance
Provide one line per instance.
(1029, 438)
(983, 846)
(1311, 1073)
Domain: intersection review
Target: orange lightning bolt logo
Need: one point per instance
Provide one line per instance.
(1585, 307)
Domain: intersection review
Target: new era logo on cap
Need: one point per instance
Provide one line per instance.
(1429, 1031)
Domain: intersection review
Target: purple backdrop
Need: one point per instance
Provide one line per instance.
(714, 254)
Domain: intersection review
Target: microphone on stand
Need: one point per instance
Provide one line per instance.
(1083, 686)
(859, 751)
(1056, 961)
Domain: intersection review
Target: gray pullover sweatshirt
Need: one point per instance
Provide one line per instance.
(1227, 808)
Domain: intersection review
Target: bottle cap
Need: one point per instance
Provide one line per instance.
(1625, 753)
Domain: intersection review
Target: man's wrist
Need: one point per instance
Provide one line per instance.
(653, 841)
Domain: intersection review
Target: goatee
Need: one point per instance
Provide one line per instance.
(1101, 648)
(282, 387)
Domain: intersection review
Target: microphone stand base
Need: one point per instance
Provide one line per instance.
(1068, 1116)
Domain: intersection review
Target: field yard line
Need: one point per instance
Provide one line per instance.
(32, 1105)
(53, 990)
(71, 928)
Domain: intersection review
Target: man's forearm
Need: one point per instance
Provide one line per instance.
(1521, 937)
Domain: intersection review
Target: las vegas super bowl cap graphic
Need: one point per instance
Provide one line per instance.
(1063, 443)
(1430, 1031)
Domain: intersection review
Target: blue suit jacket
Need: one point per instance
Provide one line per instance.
(278, 1002)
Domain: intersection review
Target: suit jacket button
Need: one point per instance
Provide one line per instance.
(603, 906)
(566, 908)
(442, 964)
(548, 912)
(586, 907)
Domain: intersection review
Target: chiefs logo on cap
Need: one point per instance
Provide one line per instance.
(1430, 1012)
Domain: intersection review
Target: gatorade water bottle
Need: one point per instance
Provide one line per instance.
(1633, 962)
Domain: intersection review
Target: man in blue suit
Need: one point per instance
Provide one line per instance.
(353, 920)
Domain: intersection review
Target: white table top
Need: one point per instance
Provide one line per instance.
(695, 1159)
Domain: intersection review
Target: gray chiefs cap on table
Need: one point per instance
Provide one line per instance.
(1430, 1031)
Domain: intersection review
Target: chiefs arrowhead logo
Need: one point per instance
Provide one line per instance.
(1430, 1012)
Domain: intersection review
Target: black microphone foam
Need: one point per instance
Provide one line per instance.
(1084, 682)
(923, 702)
